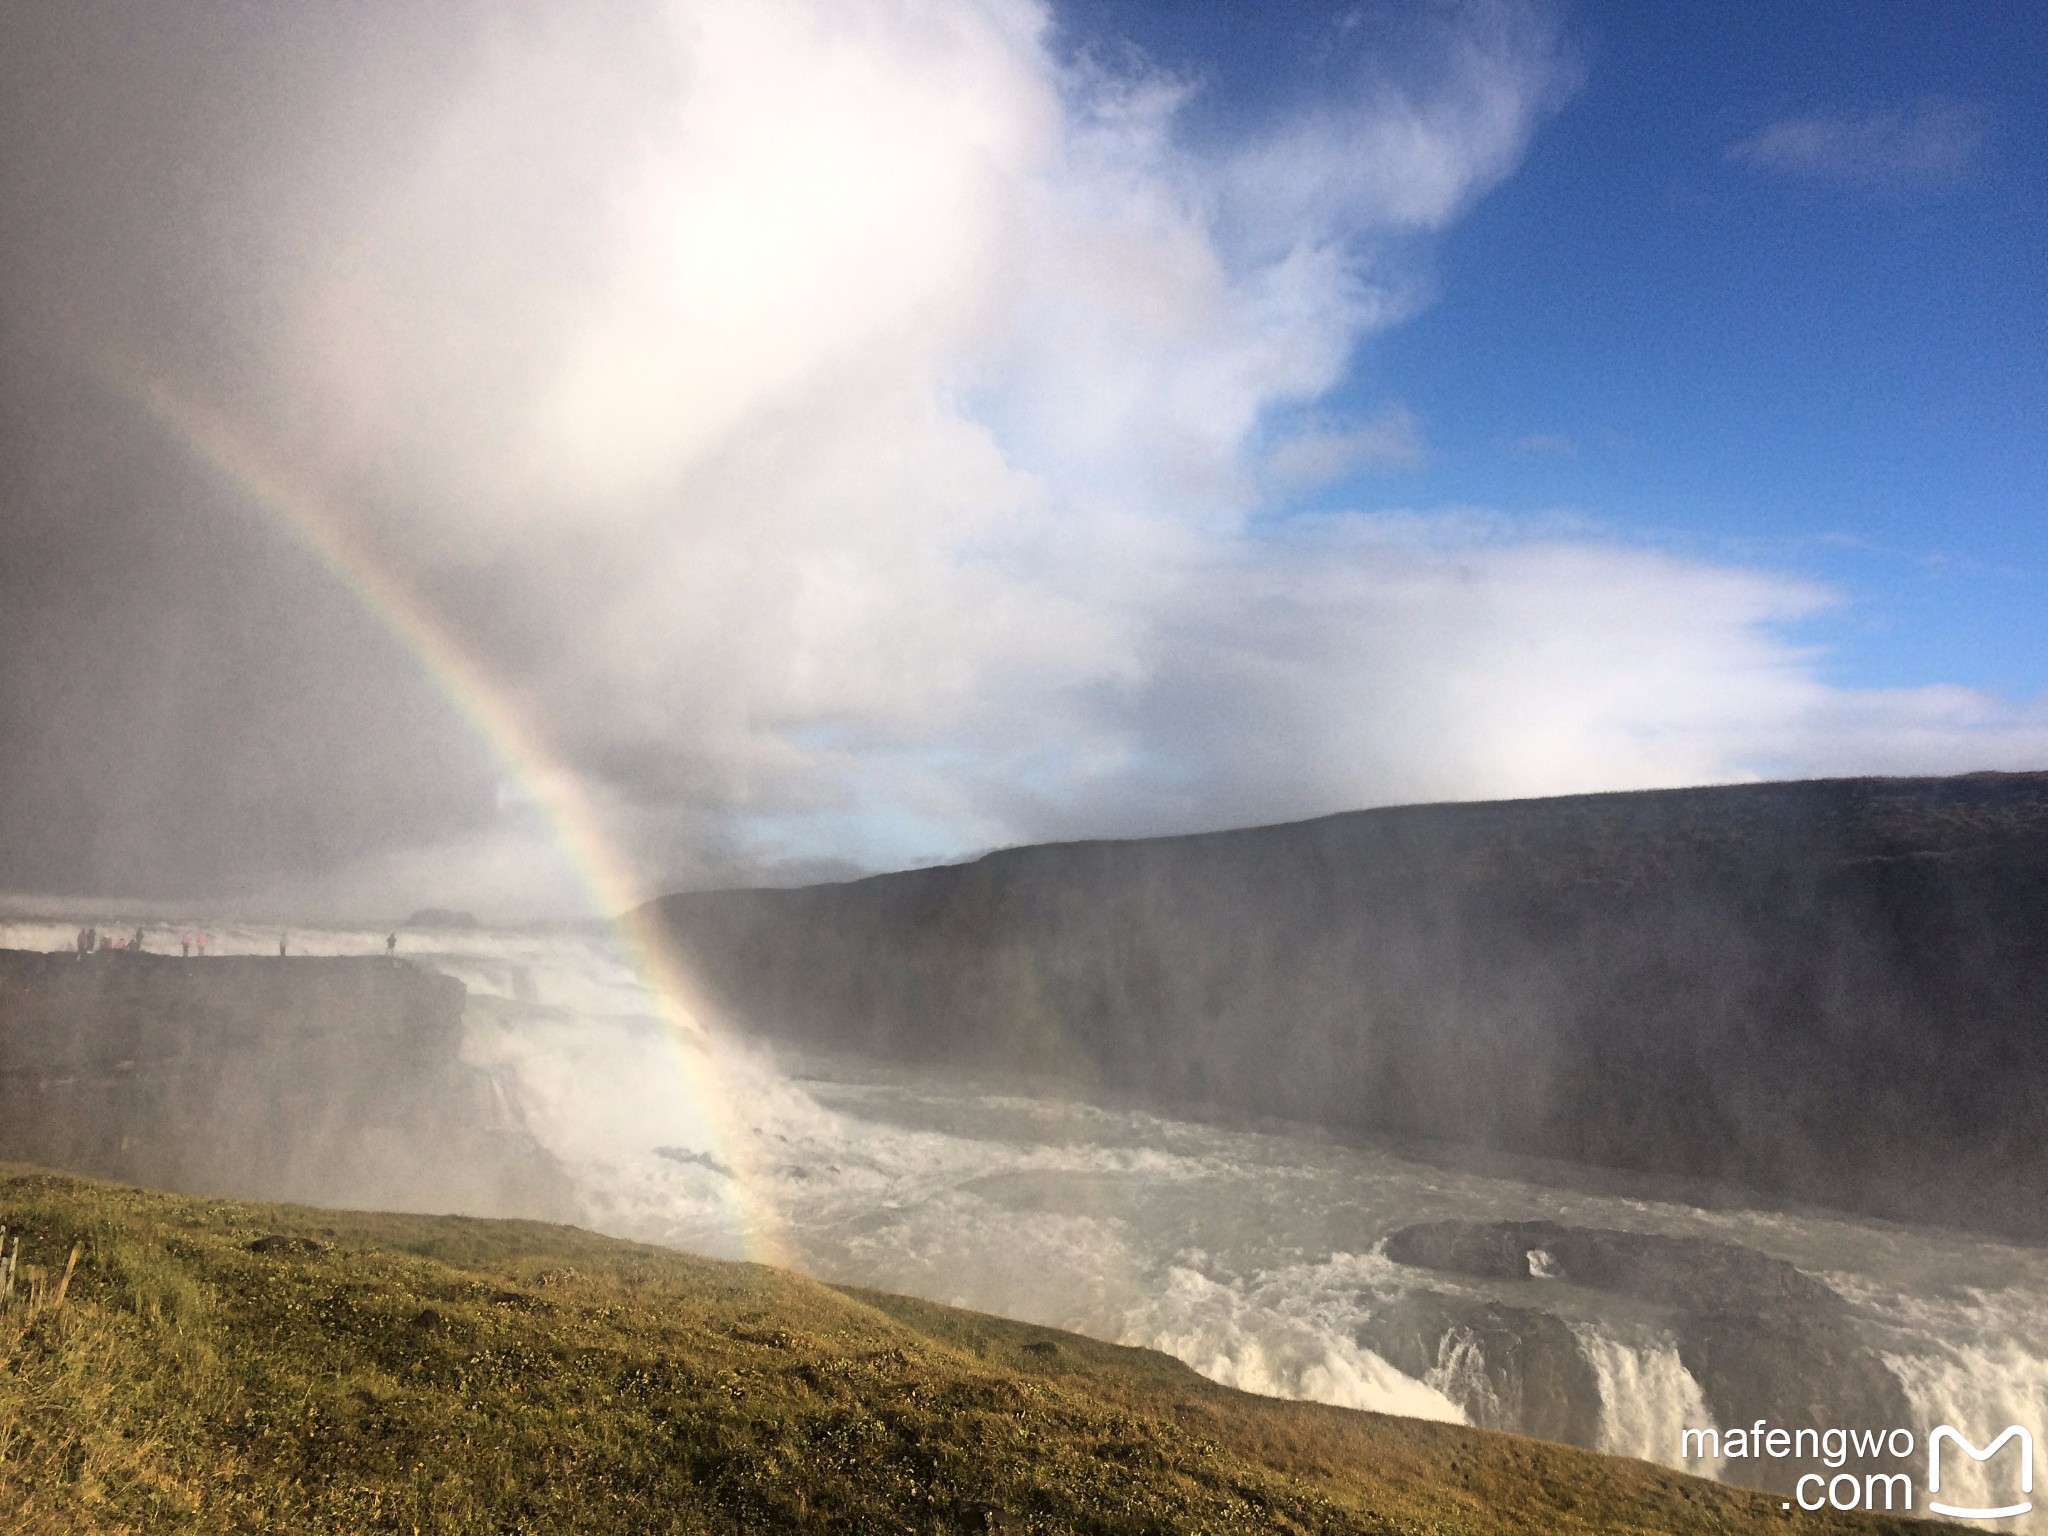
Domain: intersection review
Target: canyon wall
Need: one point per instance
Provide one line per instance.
(1831, 991)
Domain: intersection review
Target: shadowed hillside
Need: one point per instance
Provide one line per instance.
(1833, 991)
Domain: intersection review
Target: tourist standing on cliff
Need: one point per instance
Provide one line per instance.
(185, 944)
(280, 946)
(137, 945)
(391, 944)
(203, 939)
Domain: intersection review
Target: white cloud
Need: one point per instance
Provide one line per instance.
(1412, 147)
(1930, 145)
(1373, 660)
(835, 386)
(1322, 453)
(854, 424)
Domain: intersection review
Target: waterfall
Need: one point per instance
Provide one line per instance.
(1647, 1399)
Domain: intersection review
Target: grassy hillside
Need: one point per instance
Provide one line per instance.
(354, 1372)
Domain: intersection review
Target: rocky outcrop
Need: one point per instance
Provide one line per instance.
(1829, 992)
(335, 1082)
(1507, 1367)
(1763, 1339)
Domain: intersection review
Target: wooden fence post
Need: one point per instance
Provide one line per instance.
(64, 1285)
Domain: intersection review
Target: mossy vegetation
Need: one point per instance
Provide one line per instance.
(226, 1367)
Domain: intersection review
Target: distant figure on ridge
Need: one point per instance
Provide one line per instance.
(83, 943)
(137, 945)
(280, 946)
(202, 944)
(185, 944)
(391, 943)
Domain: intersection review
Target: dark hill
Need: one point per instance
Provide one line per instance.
(1833, 991)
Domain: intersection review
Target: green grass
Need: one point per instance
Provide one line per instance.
(444, 1374)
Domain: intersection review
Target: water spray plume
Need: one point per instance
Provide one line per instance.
(519, 742)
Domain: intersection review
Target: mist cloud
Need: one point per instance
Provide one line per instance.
(854, 428)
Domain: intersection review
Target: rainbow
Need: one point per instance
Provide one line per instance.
(518, 742)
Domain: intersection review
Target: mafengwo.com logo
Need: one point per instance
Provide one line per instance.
(1866, 1490)
(1943, 1434)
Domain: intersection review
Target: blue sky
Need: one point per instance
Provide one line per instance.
(1835, 366)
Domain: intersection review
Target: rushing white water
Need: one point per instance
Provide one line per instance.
(1647, 1397)
(1251, 1254)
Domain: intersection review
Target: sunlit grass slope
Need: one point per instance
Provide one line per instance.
(439, 1374)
